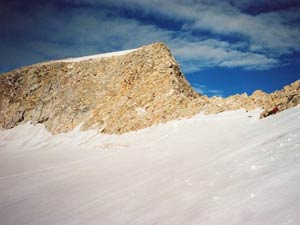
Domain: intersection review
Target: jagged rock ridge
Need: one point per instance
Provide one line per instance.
(115, 94)
(283, 99)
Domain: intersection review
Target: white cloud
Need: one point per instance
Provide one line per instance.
(204, 90)
(272, 33)
(82, 31)
(210, 53)
(260, 29)
(78, 32)
(199, 88)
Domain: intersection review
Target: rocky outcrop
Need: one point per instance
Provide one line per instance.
(284, 99)
(113, 94)
(272, 103)
(116, 94)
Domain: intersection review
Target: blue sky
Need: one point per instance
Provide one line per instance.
(223, 47)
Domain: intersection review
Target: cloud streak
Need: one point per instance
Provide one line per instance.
(204, 90)
(60, 29)
(210, 53)
(272, 31)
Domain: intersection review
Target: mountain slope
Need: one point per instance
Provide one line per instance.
(230, 168)
(112, 92)
(116, 93)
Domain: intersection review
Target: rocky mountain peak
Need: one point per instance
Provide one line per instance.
(116, 93)
(113, 94)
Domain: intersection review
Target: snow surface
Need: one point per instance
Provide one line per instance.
(98, 56)
(225, 169)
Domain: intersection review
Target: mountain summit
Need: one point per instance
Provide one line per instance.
(116, 93)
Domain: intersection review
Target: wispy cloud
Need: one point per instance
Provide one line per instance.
(274, 31)
(93, 26)
(204, 90)
(211, 53)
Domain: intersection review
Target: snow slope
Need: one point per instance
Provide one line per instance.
(78, 59)
(224, 169)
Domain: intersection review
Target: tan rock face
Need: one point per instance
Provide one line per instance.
(116, 94)
(271, 103)
(284, 99)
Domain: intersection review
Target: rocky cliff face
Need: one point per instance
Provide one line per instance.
(116, 94)
(113, 94)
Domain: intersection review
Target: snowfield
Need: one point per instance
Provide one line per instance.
(224, 169)
(98, 56)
